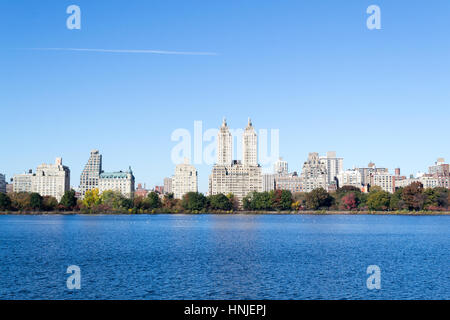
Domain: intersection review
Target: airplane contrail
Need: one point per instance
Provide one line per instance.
(191, 53)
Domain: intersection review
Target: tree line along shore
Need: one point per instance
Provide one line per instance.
(413, 199)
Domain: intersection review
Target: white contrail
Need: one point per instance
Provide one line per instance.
(130, 51)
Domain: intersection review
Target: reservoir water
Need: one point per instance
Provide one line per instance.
(224, 256)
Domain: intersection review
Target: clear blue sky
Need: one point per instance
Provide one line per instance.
(309, 68)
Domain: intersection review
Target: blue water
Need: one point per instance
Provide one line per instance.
(224, 257)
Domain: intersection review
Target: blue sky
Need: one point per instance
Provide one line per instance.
(311, 69)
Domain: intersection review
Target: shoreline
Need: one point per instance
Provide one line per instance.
(243, 212)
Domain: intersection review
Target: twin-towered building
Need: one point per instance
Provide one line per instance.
(239, 177)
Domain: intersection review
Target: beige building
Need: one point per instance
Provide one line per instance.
(314, 173)
(51, 180)
(120, 181)
(184, 180)
(23, 182)
(385, 180)
(236, 177)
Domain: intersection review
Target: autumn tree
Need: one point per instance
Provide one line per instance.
(413, 196)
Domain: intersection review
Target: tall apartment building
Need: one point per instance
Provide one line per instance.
(168, 185)
(440, 168)
(184, 180)
(51, 179)
(333, 164)
(268, 181)
(23, 182)
(236, 177)
(280, 167)
(2, 183)
(89, 178)
(314, 173)
(120, 181)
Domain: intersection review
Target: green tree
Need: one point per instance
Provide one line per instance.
(154, 201)
(49, 203)
(220, 202)
(379, 200)
(194, 201)
(36, 201)
(318, 199)
(281, 199)
(413, 196)
(68, 200)
(436, 198)
(397, 202)
(5, 202)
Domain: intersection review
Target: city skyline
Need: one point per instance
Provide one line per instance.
(326, 83)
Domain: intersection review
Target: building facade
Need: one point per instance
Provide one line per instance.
(23, 182)
(333, 165)
(89, 178)
(120, 181)
(168, 185)
(314, 173)
(384, 180)
(236, 177)
(184, 180)
(291, 182)
(280, 167)
(51, 180)
(350, 178)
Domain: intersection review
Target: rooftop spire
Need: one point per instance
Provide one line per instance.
(224, 122)
(249, 122)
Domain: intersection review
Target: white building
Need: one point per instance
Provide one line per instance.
(314, 173)
(51, 180)
(385, 180)
(350, 178)
(120, 181)
(2, 183)
(23, 182)
(89, 178)
(224, 145)
(333, 165)
(236, 177)
(268, 181)
(184, 180)
(280, 167)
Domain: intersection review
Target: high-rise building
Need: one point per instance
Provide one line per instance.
(168, 185)
(184, 180)
(333, 164)
(91, 173)
(280, 167)
(371, 169)
(2, 183)
(120, 181)
(51, 180)
(236, 177)
(224, 145)
(249, 146)
(314, 173)
(23, 182)
(141, 191)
